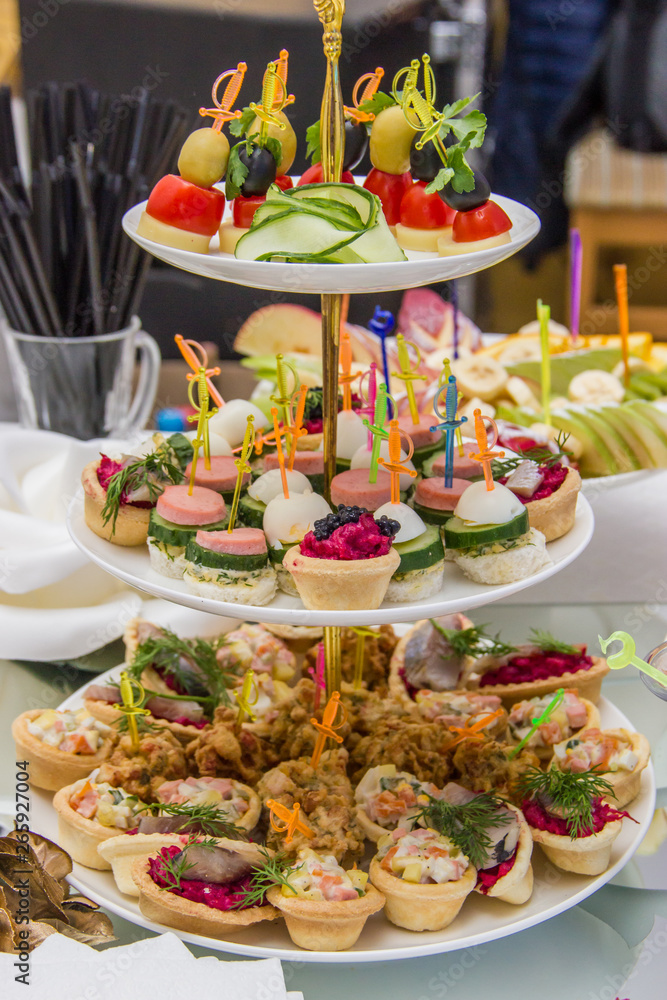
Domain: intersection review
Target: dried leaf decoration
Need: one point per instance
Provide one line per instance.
(43, 866)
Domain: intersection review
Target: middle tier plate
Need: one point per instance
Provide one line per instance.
(420, 268)
(458, 593)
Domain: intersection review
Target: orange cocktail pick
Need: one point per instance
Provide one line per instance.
(243, 467)
(243, 697)
(195, 355)
(370, 83)
(295, 428)
(222, 112)
(473, 732)
(486, 455)
(291, 819)
(278, 437)
(621, 282)
(393, 466)
(326, 728)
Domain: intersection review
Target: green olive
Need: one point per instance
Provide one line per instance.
(391, 138)
(285, 135)
(204, 156)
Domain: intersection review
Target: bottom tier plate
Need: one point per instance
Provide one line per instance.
(480, 920)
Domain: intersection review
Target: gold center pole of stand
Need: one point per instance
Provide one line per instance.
(332, 658)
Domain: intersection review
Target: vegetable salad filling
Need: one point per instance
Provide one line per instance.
(596, 749)
(422, 857)
(320, 877)
(390, 797)
(567, 717)
(457, 708)
(223, 794)
(72, 732)
(112, 807)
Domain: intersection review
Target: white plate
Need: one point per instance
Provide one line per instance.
(600, 484)
(419, 269)
(480, 920)
(458, 594)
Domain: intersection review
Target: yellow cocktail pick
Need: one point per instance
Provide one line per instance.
(409, 374)
(204, 414)
(243, 467)
(243, 697)
(132, 695)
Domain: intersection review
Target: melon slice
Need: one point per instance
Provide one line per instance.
(280, 329)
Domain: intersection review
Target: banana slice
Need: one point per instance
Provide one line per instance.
(468, 410)
(521, 349)
(520, 392)
(595, 386)
(634, 364)
(555, 329)
(481, 377)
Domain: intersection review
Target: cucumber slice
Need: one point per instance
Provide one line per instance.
(359, 198)
(427, 464)
(251, 512)
(428, 453)
(459, 535)
(291, 232)
(277, 555)
(181, 447)
(317, 482)
(218, 560)
(430, 516)
(421, 552)
(178, 534)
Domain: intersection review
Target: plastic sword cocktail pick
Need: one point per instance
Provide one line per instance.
(381, 324)
(247, 697)
(132, 695)
(394, 466)
(371, 395)
(295, 428)
(544, 315)
(278, 437)
(346, 378)
(621, 283)
(486, 455)
(274, 99)
(539, 721)
(378, 430)
(576, 260)
(326, 728)
(317, 673)
(283, 396)
(419, 109)
(442, 380)
(291, 821)
(409, 374)
(362, 633)
(195, 355)
(202, 416)
(282, 67)
(627, 656)
(222, 112)
(473, 732)
(243, 468)
(450, 424)
(370, 83)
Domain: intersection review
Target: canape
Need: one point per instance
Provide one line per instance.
(549, 494)
(89, 813)
(130, 525)
(120, 851)
(388, 799)
(237, 803)
(462, 708)
(324, 906)
(508, 872)
(60, 747)
(619, 754)
(571, 716)
(230, 566)
(424, 888)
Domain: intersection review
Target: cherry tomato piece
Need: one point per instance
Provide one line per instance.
(284, 182)
(424, 211)
(390, 189)
(184, 205)
(315, 175)
(243, 209)
(480, 223)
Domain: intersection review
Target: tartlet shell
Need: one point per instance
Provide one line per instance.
(341, 584)
(554, 515)
(545, 753)
(517, 886)
(419, 907)
(584, 855)
(49, 767)
(131, 527)
(326, 926)
(121, 851)
(626, 784)
(78, 835)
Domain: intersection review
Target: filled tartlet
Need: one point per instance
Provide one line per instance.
(89, 813)
(235, 802)
(60, 746)
(388, 799)
(202, 887)
(571, 715)
(325, 907)
(346, 562)
(617, 753)
(463, 708)
(549, 493)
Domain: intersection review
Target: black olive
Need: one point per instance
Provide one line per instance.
(261, 171)
(424, 163)
(356, 143)
(469, 200)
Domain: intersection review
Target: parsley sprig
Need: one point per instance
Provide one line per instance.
(313, 140)
(467, 824)
(153, 471)
(573, 794)
(207, 684)
(209, 818)
(273, 871)
(473, 641)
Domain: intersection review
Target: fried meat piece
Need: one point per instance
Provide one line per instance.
(222, 751)
(159, 758)
(483, 765)
(421, 748)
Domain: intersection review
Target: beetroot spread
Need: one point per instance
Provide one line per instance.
(107, 468)
(538, 666)
(360, 540)
(314, 426)
(487, 877)
(554, 477)
(184, 721)
(537, 816)
(219, 897)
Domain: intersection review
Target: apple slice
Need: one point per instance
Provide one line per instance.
(280, 328)
(650, 435)
(596, 459)
(623, 454)
(628, 429)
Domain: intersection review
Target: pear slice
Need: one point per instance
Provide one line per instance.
(623, 455)
(596, 459)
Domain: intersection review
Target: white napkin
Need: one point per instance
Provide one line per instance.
(54, 603)
(62, 969)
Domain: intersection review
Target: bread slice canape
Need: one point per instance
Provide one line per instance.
(165, 907)
(572, 709)
(80, 834)
(327, 908)
(50, 767)
(130, 527)
(620, 755)
(516, 886)
(418, 906)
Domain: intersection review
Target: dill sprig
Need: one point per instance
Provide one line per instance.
(153, 471)
(210, 819)
(573, 794)
(473, 641)
(466, 824)
(174, 868)
(274, 871)
(207, 683)
(542, 456)
(549, 644)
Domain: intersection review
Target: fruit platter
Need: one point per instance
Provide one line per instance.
(250, 830)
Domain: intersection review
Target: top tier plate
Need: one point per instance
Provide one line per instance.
(420, 268)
